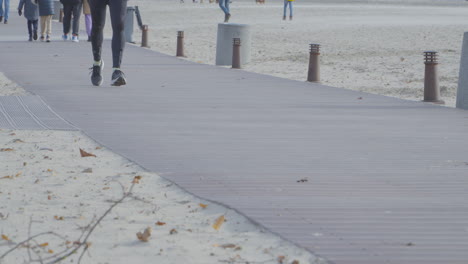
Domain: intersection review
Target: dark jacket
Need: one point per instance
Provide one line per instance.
(30, 9)
(46, 7)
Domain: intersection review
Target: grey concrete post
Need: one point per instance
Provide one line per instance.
(236, 45)
(144, 36)
(61, 15)
(129, 18)
(57, 6)
(313, 74)
(431, 78)
(180, 44)
(462, 91)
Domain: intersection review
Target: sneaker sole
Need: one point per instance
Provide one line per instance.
(100, 82)
(119, 81)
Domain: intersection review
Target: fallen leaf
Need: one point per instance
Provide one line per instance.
(49, 170)
(106, 188)
(24, 163)
(280, 259)
(88, 170)
(18, 140)
(228, 246)
(50, 251)
(218, 222)
(144, 237)
(203, 205)
(6, 177)
(86, 154)
(136, 179)
(49, 197)
(98, 147)
(6, 149)
(18, 174)
(44, 244)
(160, 223)
(173, 231)
(60, 218)
(295, 262)
(4, 237)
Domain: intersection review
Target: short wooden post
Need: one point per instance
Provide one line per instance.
(180, 44)
(313, 74)
(144, 36)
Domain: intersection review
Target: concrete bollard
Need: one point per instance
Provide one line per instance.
(180, 44)
(128, 29)
(236, 44)
(144, 36)
(57, 6)
(313, 74)
(431, 78)
(61, 15)
(462, 91)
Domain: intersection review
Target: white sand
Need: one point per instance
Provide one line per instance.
(374, 46)
(43, 178)
(7, 87)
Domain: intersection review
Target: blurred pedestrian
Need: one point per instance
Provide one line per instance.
(46, 11)
(224, 5)
(88, 19)
(286, 4)
(71, 8)
(4, 11)
(31, 13)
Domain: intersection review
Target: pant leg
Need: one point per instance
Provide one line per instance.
(1, 7)
(88, 22)
(30, 22)
(223, 6)
(290, 9)
(118, 10)
(43, 25)
(226, 3)
(49, 25)
(76, 18)
(67, 14)
(6, 10)
(34, 22)
(98, 14)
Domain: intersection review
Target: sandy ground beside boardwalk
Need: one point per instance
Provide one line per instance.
(374, 46)
(46, 185)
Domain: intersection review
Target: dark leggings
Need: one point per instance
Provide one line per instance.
(32, 25)
(68, 11)
(118, 9)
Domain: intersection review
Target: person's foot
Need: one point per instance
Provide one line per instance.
(89, 38)
(75, 38)
(226, 18)
(42, 38)
(1, 18)
(35, 35)
(284, 17)
(118, 78)
(6, 21)
(96, 74)
(65, 37)
(290, 17)
(48, 38)
(30, 38)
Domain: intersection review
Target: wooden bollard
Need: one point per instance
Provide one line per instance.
(180, 44)
(61, 15)
(313, 74)
(144, 36)
(236, 44)
(431, 78)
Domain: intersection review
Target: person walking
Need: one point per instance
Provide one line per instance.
(224, 5)
(71, 8)
(31, 13)
(46, 11)
(286, 4)
(88, 19)
(4, 11)
(118, 9)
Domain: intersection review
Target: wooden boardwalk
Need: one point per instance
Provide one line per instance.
(355, 178)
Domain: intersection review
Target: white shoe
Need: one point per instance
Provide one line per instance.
(65, 37)
(75, 39)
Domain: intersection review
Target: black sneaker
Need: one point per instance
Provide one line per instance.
(96, 75)
(118, 78)
(1, 18)
(35, 35)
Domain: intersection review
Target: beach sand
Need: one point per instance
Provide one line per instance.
(374, 46)
(47, 186)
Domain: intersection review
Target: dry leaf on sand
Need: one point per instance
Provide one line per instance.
(4, 237)
(218, 223)
(137, 179)
(86, 154)
(6, 149)
(144, 237)
(203, 205)
(160, 223)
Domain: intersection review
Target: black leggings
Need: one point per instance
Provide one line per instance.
(118, 9)
(32, 27)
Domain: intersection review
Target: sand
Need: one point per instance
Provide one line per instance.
(374, 46)
(46, 185)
